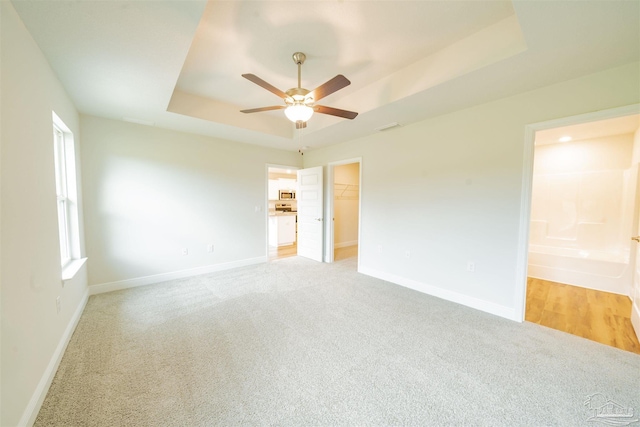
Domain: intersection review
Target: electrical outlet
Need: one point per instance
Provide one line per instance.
(210, 247)
(58, 305)
(185, 251)
(407, 254)
(471, 266)
(258, 209)
(379, 249)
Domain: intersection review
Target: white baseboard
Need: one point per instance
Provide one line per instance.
(345, 244)
(33, 407)
(180, 274)
(478, 304)
(635, 318)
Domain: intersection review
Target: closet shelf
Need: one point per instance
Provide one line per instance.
(346, 191)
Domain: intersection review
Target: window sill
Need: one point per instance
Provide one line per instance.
(71, 269)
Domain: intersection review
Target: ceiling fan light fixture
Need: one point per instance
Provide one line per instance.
(299, 103)
(298, 112)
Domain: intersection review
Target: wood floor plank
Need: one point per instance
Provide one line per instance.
(599, 316)
(283, 251)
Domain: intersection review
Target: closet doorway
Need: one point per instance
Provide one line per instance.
(343, 209)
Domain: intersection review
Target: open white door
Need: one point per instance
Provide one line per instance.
(310, 213)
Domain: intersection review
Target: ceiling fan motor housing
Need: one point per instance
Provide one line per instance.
(299, 102)
(297, 95)
(299, 58)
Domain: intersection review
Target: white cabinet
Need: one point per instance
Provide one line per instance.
(287, 184)
(282, 230)
(275, 185)
(274, 188)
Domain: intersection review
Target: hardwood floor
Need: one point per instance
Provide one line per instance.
(282, 251)
(344, 253)
(599, 316)
(287, 251)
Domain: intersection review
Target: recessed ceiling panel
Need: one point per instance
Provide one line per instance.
(365, 41)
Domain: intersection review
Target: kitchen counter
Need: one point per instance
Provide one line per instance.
(282, 228)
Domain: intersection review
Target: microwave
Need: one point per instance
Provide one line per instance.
(287, 195)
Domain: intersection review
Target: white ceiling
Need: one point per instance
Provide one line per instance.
(602, 128)
(178, 64)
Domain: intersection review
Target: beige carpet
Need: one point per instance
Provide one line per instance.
(295, 342)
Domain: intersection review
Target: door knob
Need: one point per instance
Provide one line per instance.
(637, 239)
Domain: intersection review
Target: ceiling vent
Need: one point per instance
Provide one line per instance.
(387, 127)
(139, 121)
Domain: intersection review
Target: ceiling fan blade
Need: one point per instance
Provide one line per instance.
(333, 85)
(335, 112)
(257, 110)
(300, 124)
(257, 80)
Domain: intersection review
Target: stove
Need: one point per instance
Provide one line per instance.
(283, 207)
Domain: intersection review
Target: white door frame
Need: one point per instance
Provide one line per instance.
(266, 201)
(329, 231)
(527, 180)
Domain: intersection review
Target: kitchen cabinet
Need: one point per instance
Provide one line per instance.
(287, 184)
(275, 185)
(282, 230)
(274, 188)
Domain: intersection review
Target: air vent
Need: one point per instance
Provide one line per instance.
(138, 121)
(387, 126)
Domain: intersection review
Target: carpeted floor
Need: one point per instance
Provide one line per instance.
(295, 342)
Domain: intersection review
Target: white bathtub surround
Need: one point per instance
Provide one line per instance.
(598, 270)
(583, 204)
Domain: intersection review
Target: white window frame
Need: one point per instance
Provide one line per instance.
(67, 199)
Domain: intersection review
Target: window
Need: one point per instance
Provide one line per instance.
(66, 193)
(61, 193)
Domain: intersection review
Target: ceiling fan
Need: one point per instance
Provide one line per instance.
(300, 102)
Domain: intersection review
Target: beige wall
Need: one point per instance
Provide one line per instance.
(150, 192)
(449, 189)
(30, 259)
(346, 180)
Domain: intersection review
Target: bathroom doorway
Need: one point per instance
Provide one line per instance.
(583, 213)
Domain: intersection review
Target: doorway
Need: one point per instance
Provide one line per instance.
(343, 206)
(583, 212)
(281, 212)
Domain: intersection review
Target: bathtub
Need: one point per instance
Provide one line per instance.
(599, 270)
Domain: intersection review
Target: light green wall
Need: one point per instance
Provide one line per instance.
(448, 189)
(150, 192)
(30, 260)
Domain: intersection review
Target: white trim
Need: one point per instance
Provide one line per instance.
(478, 304)
(71, 269)
(530, 130)
(635, 318)
(35, 403)
(345, 244)
(163, 277)
(266, 201)
(522, 260)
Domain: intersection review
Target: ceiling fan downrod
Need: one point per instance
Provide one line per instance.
(300, 102)
(299, 58)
